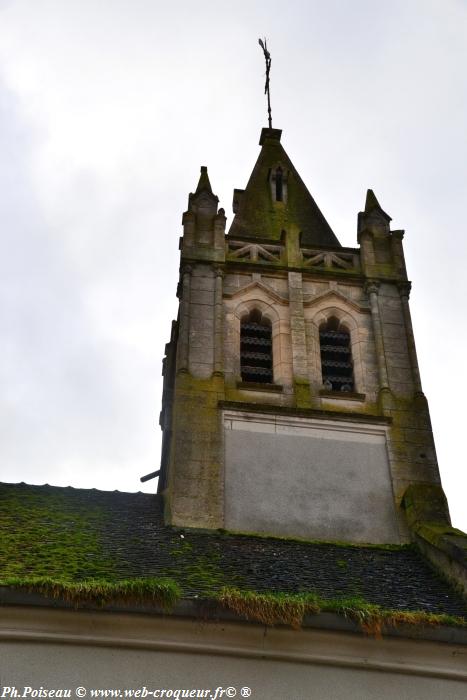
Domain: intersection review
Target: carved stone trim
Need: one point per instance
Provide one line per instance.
(332, 293)
(260, 285)
(330, 260)
(254, 252)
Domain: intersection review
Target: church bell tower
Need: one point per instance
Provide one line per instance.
(292, 401)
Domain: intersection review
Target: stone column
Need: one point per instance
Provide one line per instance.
(372, 291)
(404, 291)
(398, 253)
(184, 332)
(298, 341)
(218, 323)
(297, 327)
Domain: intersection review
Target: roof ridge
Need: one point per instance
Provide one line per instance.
(74, 488)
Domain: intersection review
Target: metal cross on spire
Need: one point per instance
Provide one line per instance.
(267, 57)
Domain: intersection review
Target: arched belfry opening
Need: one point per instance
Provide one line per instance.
(336, 356)
(256, 348)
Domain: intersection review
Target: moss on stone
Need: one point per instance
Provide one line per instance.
(196, 452)
(426, 503)
(302, 393)
(260, 217)
(442, 535)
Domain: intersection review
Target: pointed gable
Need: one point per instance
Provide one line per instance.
(276, 198)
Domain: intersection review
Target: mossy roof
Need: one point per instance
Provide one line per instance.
(259, 217)
(73, 535)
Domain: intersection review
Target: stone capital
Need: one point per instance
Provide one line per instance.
(404, 288)
(372, 286)
(186, 270)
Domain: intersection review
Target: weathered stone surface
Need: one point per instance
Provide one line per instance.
(201, 296)
(202, 283)
(394, 330)
(337, 480)
(398, 360)
(389, 290)
(389, 315)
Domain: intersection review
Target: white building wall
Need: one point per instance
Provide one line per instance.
(308, 477)
(63, 649)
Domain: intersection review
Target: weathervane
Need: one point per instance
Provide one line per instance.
(267, 57)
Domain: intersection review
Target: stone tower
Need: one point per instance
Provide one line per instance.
(292, 401)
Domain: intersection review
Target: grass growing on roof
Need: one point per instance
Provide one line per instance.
(161, 592)
(290, 609)
(270, 608)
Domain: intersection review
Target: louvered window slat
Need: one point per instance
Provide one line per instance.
(336, 359)
(256, 349)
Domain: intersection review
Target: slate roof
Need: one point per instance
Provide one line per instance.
(79, 533)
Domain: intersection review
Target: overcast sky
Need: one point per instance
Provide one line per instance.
(108, 108)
